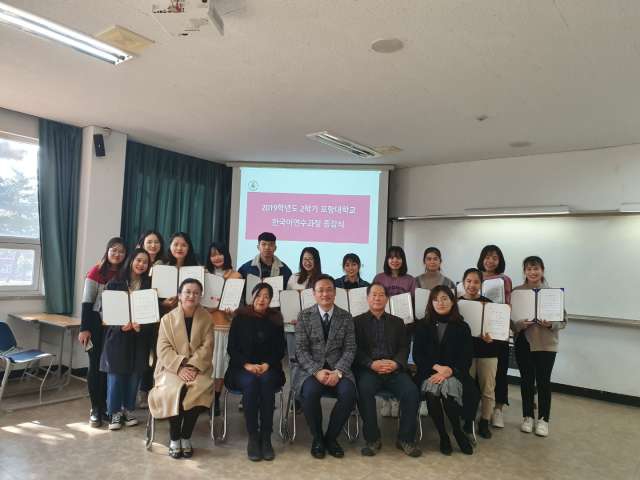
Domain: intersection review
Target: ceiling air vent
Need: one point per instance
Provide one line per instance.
(344, 144)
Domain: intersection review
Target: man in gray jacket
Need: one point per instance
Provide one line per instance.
(325, 349)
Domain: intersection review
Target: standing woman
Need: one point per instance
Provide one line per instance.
(485, 357)
(351, 278)
(443, 351)
(396, 280)
(183, 384)
(125, 354)
(536, 348)
(432, 277)
(91, 334)
(492, 265)
(256, 348)
(219, 263)
(153, 243)
(180, 254)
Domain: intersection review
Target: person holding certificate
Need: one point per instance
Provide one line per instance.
(381, 364)
(153, 243)
(125, 354)
(485, 357)
(432, 276)
(91, 330)
(443, 351)
(219, 263)
(396, 281)
(266, 264)
(183, 384)
(536, 348)
(180, 254)
(351, 278)
(492, 265)
(256, 349)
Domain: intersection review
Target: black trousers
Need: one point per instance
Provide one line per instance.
(451, 408)
(97, 380)
(502, 384)
(258, 397)
(535, 372)
(182, 425)
(310, 395)
(400, 385)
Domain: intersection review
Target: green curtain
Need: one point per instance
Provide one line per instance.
(59, 160)
(170, 192)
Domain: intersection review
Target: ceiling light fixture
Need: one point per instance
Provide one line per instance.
(517, 211)
(387, 45)
(520, 144)
(344, 144)
(47, 29)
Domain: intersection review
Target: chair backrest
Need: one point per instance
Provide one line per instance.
(7, 340)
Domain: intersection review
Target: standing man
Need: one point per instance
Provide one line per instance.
(381, 364)
(266, 264)
(325, 349)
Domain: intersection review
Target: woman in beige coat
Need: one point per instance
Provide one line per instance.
(183, 385)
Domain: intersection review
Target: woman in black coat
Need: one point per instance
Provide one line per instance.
(125, 354)
(443, 351)
(256, 348)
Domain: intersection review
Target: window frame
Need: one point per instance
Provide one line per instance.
(36, 288)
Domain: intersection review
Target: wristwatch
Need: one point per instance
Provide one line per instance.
(339, 374)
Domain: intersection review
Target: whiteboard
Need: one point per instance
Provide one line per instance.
(595, 258)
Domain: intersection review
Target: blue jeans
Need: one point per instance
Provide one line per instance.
(121, 392)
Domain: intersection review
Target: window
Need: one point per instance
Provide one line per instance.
(20, 266)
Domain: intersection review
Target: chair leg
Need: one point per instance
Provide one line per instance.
(5, 378)
(211, 424)
(291, 412)
(149, 432)
(224, 416)
(44, 379)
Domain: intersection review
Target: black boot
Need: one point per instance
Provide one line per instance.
(267, 449)
(254, 450)
(453, 413)
(437, 416)
(483, 428)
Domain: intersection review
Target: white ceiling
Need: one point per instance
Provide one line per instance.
(561, 74)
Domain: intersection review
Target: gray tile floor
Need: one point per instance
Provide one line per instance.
(589, 439)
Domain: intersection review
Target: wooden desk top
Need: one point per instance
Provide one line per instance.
(62, 321)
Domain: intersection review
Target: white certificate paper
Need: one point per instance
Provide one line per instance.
(290, 305)
(195, 272)
(231, 294)
(306, 298)
(422, 297)
(401, 306)
(144, 307)
(277, 283)
(496, 322)
(523, 305)
(165, 280)
(358, 301)
(213, 286)
(115, 307)
(471, 311)
(252, 281)
(342, 300)
(493, 289)
(551, 304)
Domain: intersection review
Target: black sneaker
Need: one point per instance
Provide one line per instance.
(483, 429)
(371, 448)
(463, 442)
(116, 421)
(409, 448)
(130, 419)
(95, 418)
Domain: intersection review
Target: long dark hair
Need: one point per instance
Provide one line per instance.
(125, 272)
(303, 275)
(395, 251)
(454, 314)
(222, 250)
(492, 249)
(140, 243)
(105, 265)
(190, 259)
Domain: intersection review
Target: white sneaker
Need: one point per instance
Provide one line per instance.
(542, 428)
(527, 425)
(385, 409)
(497, 419)
(395, 408)
(424, 412)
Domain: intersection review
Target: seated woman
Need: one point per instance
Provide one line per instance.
(443, 351)
(256, 349)
(183, 384)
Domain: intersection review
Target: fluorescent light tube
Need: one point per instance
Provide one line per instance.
(517, 211)
(44, 28)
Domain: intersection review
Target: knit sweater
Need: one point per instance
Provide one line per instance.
(396, 285)
(541, 339)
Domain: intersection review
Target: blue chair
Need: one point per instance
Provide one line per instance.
(13, 356)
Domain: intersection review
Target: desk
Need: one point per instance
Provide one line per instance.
(62, 323)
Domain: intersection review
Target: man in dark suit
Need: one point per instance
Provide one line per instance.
(325, 349)
(381, 364)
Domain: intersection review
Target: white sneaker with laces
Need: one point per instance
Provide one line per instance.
(527, 425)
(395, 408)
(385, 409)
(424, 412)
(130, 419)
(497, 419)
(116, 421)
(542, 428)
